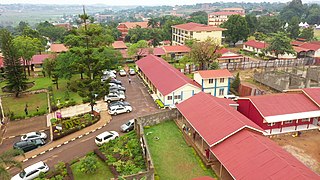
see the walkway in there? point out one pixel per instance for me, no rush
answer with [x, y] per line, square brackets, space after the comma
[75, 110]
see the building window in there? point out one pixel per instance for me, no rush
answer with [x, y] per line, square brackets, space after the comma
[305, 120]
[210, 81]
[221, 80]
[271, 124]
[169, 97]
[177, 97]
[191, 33]
[221, 92]
[287, 122]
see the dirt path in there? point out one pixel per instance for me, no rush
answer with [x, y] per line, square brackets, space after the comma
[306, 148]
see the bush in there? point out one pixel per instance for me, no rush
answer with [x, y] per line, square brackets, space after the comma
[50, 88]
[88, 165]
[159, 102]
[66, 96]
[85, 100]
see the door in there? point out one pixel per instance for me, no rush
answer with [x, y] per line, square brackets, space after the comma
[33, 174]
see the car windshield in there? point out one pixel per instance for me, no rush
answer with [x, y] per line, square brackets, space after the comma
[128, 123]
[98, 139]
[22, 174]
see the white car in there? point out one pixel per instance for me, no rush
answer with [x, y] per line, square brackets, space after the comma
[122, 72]
[32, 171]
[114, 97]
[231, 96]
[108, 74]
[106, 137]
[114, 110]
[128, 126]
[33, 135]
[132, 71]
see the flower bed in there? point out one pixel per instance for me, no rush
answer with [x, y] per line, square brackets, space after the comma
[124, 155]
[70, 125]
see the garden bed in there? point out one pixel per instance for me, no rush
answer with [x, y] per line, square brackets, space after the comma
[70, 125]
[171, 154]
[124, 155]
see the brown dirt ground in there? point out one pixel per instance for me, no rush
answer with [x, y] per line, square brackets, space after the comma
[305, 148]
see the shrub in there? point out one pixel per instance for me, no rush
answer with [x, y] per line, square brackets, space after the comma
[85, 100]
[66, 96]
[159, 102]
[53, 120]
[88, 165]
[61, 168]
[50, 88]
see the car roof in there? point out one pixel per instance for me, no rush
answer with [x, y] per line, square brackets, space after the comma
[104, 134]
[131, 120]
[31, 133]
[33, 166]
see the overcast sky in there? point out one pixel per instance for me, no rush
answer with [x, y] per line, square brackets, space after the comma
[129, 2]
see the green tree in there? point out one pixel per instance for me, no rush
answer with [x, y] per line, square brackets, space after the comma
[135, 49]
[214, 65]
[6, 160]
[49, 65]
[312, 14]
[293, 28]
[294, 8]
[236, 83]
[280, 44]
[27, 47]
[252, 23]
[259, 36]
[269, 24]
[49, 30]
[153, 22]
[88, 165]
[199, 17]
[203, 53]
[237, 29]
[307, 33]
[16, 81]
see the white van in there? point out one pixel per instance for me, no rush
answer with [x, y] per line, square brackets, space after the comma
[32, 171]
[106, 137]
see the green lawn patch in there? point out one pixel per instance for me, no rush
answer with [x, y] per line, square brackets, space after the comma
[172, 157]
[103, 172]
[17, 105]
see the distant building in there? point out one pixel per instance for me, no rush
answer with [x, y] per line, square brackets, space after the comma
[228, 56]
[126, 26]
[199, 32]
[119, 45]
[217, 18]
[176, 52]
[66, 26]
[238, 10]
[58, 48]
[104, 18]
[214, 82]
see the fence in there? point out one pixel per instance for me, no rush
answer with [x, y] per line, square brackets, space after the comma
[268, 64]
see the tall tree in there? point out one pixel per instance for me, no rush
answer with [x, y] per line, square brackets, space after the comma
[49, 65]
[293, 28]
[6, 160]
[199, 17]
[294, 8]
[252, 23]
[13, 69]
[269, 24]
[153, 22]
[280, 44]
[307, 33]
[27, 47]
[237, 29]
[204, 52]
[49, 30]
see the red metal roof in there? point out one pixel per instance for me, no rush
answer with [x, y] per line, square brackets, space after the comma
[209, 74]
[154, 51]
[256, 44]
[313, 94]
[299, 49]
[311, 46]
[297, 43]
[1, 61]
[58, 48]
[212, 118]
[131, 25]
[204, 178]
[284, 103]
[176, 49]
[39, 58]
[119, 45]
[226, 13]
[247, 155]
[162, 75]
[197, 27]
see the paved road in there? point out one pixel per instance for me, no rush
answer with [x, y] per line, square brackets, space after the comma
[137, 96]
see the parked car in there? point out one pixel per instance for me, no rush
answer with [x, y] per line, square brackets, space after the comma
[114, 97]
[132, 71]
[116, 91]
[116, 103]
[115, 81]
[32, 171]
[115, 110]
[128, 126]
[122, 72]
[34, 135]
[26, 146]
[108, 74]
[106, 137]
[116, 86]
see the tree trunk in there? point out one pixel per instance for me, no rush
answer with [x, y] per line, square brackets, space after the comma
[81, 75]
[57, 84]
[28, 68]
[17, 94]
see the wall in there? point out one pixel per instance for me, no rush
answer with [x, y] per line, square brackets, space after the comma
[153, 119]
[185, 92]
[203, 35]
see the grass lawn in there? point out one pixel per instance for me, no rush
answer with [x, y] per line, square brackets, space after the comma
[17, 105]
[102, 172]
[172, 157]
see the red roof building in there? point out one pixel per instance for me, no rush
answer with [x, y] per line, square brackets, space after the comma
[126, 26]
[217, 18]
[58, 48]
[228, 56]
[176, 52]
[167, 83]
[197, 27]
[232, 144]
[313, 94]
[255, 44]
[39, 58]
[120, 45]
[281, 113]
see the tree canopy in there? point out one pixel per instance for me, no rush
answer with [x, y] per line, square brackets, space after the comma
[237, 29]
[280, 44]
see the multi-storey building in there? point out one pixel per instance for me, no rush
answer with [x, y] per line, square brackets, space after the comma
[199, 32]
[124, 27]
[217, 18]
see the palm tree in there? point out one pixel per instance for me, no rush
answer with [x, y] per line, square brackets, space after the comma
[7, 160]
[153, 22]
